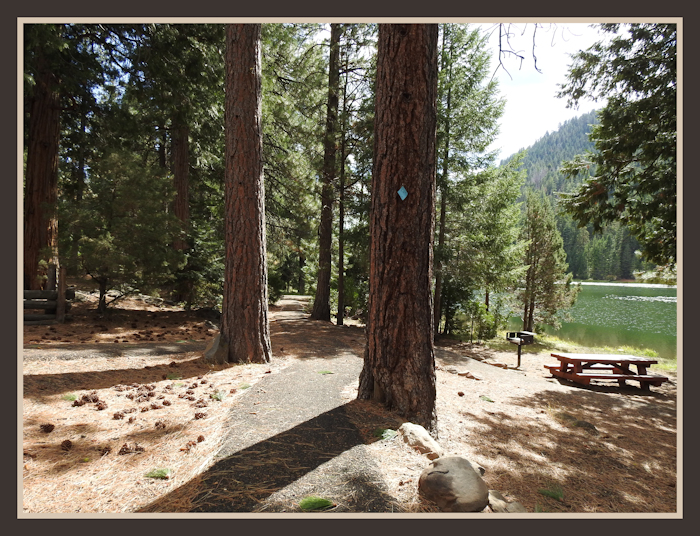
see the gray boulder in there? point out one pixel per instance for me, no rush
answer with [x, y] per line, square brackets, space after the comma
[418, 437]
[454, 484]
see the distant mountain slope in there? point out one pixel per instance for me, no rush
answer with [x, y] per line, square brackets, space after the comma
[545, 156]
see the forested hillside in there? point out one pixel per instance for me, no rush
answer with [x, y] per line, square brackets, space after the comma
[608, 255]
[543, 159]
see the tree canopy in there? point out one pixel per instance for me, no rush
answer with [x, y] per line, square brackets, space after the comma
[635, 159]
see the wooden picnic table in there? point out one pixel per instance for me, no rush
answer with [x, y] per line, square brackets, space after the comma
[582, 368]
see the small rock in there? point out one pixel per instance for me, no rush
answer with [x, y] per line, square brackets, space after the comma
[499, 505]
[419, 438]
[497, 502]
[515, 507]
[469, 375]
[454, 485]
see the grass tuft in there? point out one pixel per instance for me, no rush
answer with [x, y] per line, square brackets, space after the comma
[219, 395]
[553, 492]
[163, 474]
[385, 433]
[309, 504]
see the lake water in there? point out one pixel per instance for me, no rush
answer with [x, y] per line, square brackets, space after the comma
[623, 314]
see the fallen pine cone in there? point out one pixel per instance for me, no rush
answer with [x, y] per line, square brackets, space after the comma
[160, 425]
[66, 445]
[118, 415]
[46, 428]
[105, 450]
[200, 439]
[101, 406]
[166, 402]
[127, 449]
[200, 415]
[80, 402]
[188, 446]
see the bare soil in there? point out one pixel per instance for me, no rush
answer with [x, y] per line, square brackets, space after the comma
[128, 393]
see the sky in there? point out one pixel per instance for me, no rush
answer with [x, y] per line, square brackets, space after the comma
[532, 108]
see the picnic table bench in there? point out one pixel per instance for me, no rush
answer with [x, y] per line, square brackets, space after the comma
[582, 368]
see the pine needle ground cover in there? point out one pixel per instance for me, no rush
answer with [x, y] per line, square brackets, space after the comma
[83, 459]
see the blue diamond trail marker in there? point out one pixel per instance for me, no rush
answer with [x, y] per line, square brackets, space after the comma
[403, 193]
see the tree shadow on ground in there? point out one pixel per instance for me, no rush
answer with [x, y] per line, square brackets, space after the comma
[326, 339]
[629, 465]
[241, 481]
[38, 386]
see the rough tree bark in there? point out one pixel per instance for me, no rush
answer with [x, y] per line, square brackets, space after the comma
[41, 178]
[181, 204]
[322, 303]
[245, 328]
[399, 364]
[181, 168]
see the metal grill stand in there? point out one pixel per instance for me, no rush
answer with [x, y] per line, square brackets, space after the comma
[520, 338]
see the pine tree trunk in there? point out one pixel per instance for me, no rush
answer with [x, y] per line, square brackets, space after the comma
[399, 364]
[245, 328]
[437, 313]
[41, 179]
[340, 318]
[341, 240]
[181, 168]
[181, 204]
[322, 306]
